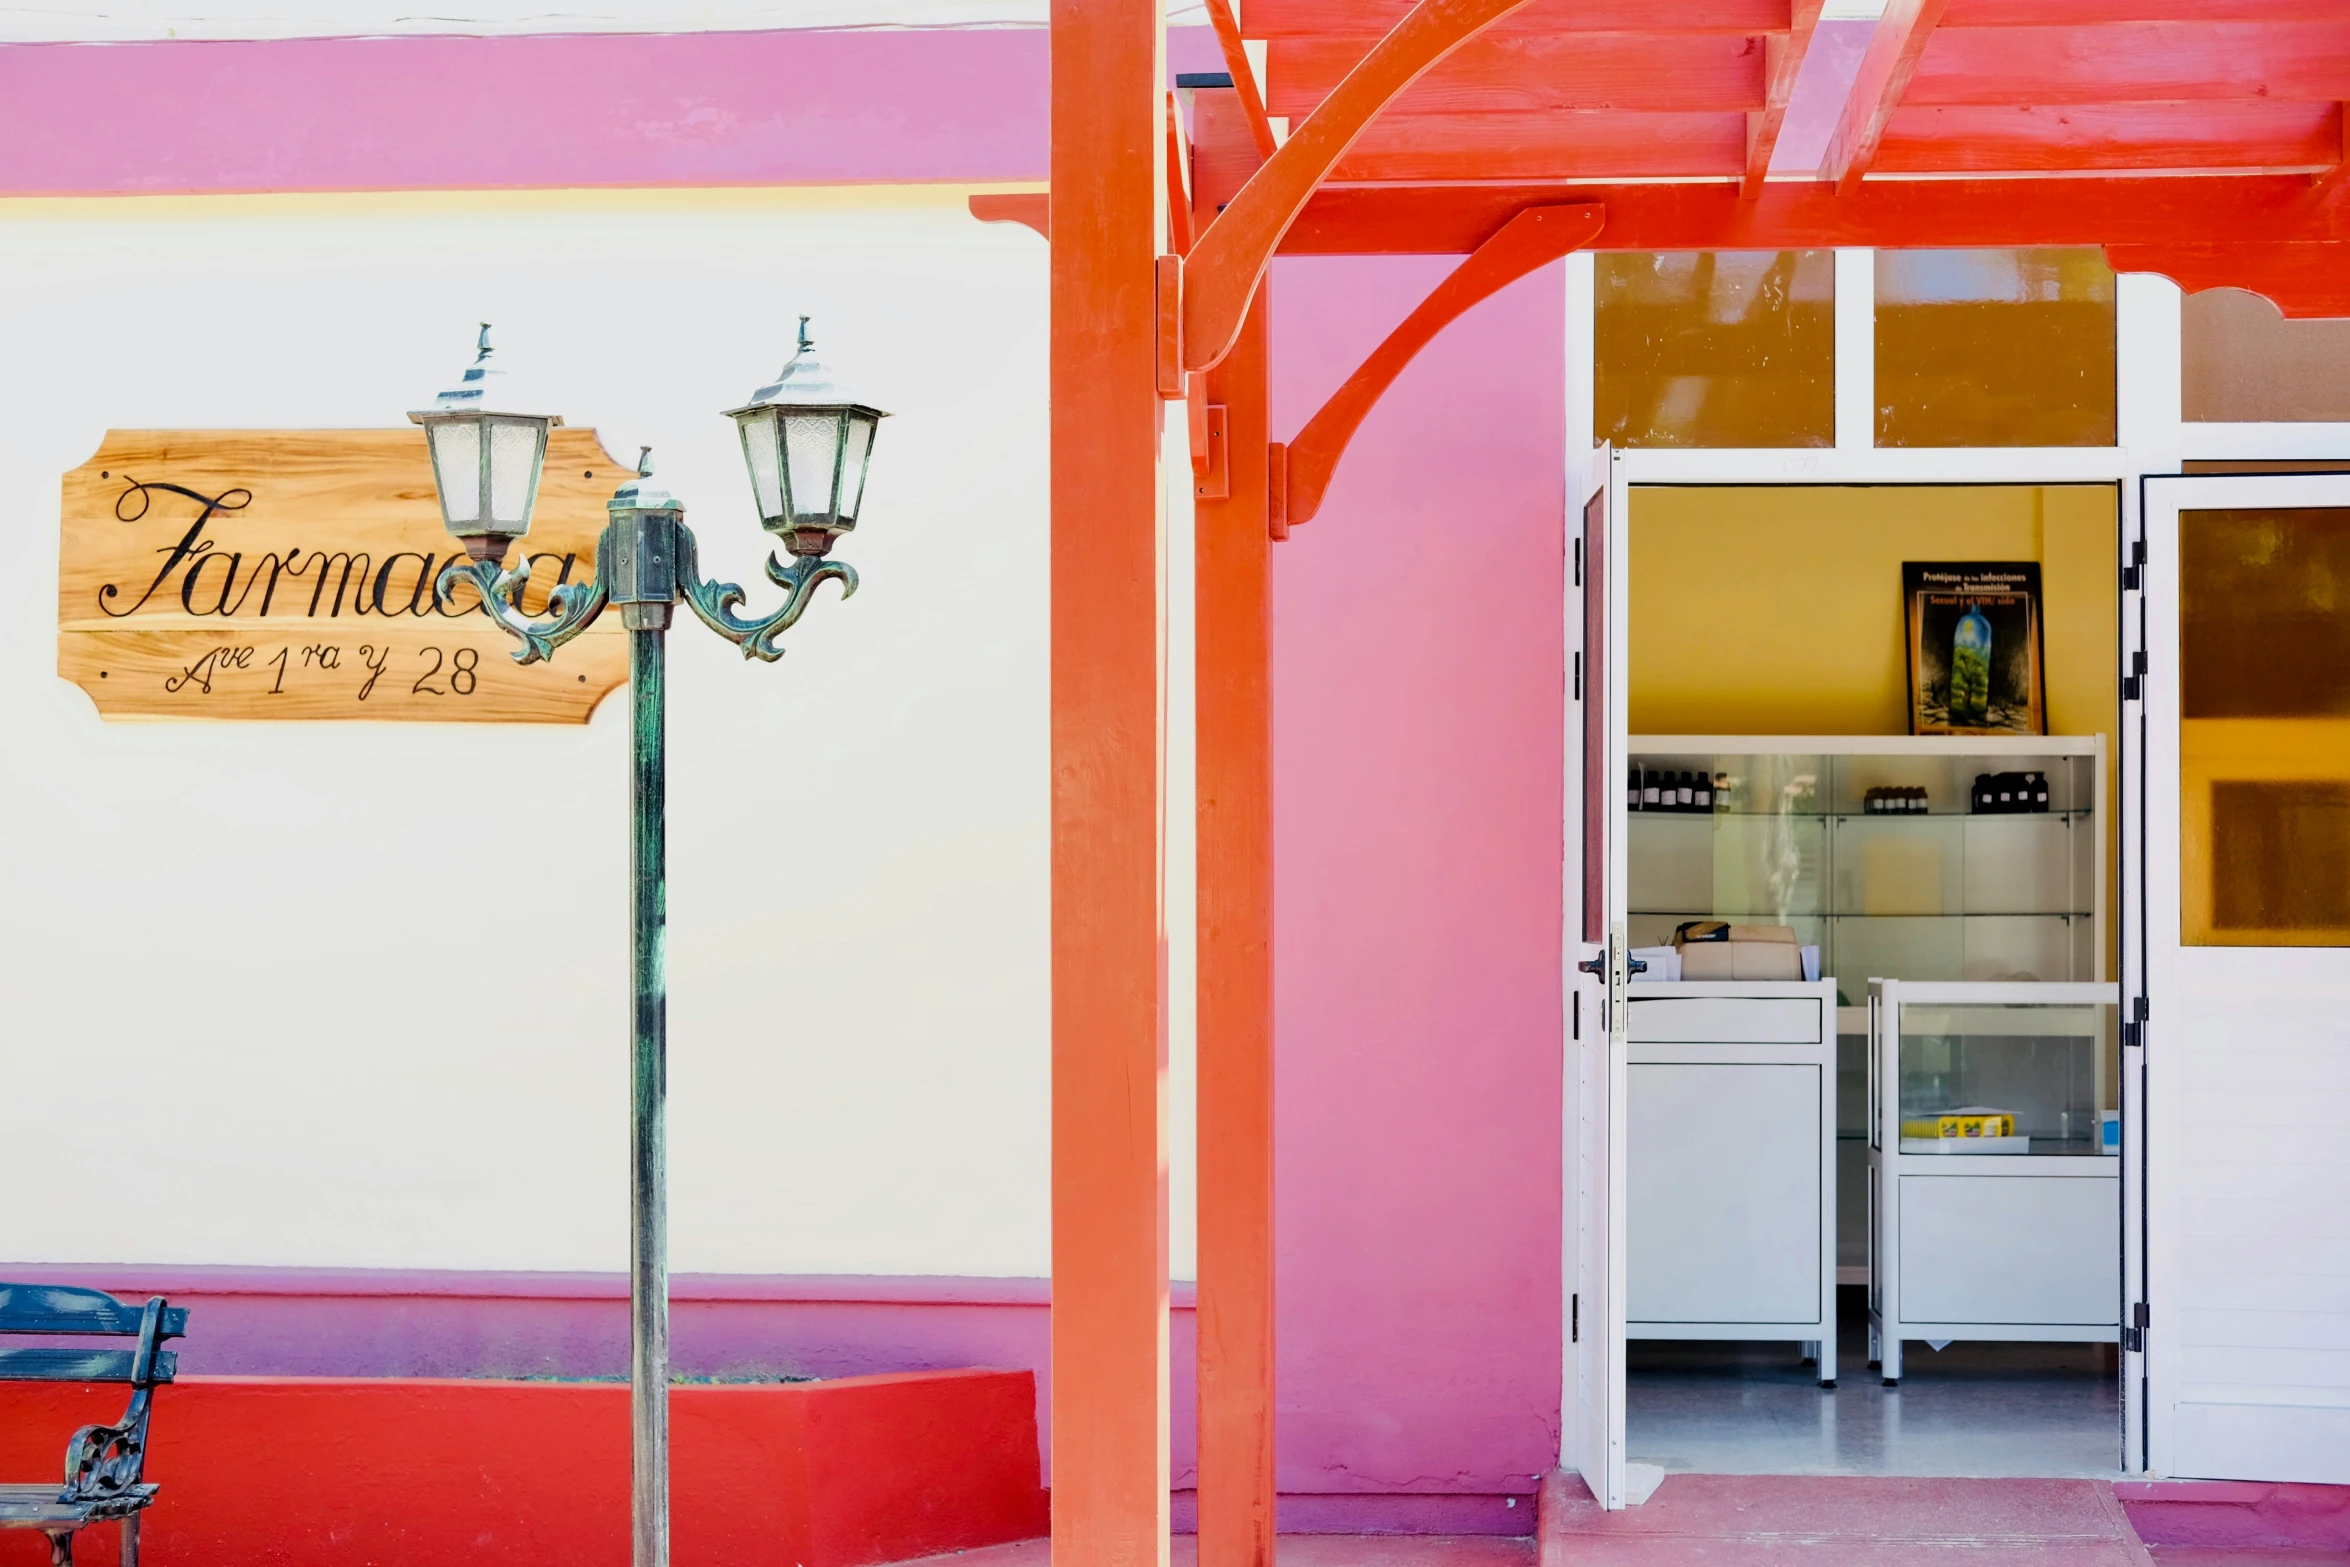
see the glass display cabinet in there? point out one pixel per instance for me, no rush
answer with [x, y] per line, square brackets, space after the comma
[1994, 1191]
[1978, 858]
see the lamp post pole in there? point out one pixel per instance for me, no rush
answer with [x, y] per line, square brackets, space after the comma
[648, 1089]
[806, 445]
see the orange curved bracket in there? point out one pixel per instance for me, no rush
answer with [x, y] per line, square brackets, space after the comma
[1221, 276]
[1534, 238]
[1033, 208]
[2301, 279]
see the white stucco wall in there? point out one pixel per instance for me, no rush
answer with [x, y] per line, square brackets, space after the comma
[353, 994]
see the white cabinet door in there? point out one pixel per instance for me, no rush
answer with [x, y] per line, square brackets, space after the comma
[2010, 1249]
[1724, 1169]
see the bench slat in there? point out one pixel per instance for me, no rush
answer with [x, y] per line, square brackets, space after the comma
[47, 1364]
[64, 1308]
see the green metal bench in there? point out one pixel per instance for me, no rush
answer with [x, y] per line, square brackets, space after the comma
[103, 1464]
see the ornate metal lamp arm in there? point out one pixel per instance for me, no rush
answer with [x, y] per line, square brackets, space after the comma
[714, 601]
[570, 608]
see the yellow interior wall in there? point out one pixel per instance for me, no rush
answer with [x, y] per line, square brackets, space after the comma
[1776, 609]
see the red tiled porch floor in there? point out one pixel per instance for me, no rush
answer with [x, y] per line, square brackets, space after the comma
[1833, 1520]
[1755, 1521]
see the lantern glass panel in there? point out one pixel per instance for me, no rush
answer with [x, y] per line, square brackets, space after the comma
[852, 464]
[514, 467]
[456, 464]
[811, 446]
[758, 432]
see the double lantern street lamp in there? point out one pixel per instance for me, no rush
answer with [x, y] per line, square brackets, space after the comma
[806, 444]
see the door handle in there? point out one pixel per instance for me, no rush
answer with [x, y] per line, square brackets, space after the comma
[1595, 967]
[1635, 965]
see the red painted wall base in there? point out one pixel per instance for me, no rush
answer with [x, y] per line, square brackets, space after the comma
[340, 1472]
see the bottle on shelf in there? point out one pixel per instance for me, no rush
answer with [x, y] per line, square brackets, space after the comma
[1650, 784]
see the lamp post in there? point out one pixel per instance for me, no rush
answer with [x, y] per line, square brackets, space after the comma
[806, 445]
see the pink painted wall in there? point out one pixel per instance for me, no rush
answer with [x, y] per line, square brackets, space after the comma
[1417, 699]
[611, 109]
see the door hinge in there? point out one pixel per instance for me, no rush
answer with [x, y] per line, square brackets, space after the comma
[2134, 683]
[1578, 563]
[2134, 1336]
[1574, 1319]
[1578, 677]
[2134, 573]
[1575, 999]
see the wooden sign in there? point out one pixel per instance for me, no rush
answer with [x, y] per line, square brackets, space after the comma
[289, 574]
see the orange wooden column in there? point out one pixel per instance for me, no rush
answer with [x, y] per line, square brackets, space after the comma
[1110, 1400]
[1235, 743]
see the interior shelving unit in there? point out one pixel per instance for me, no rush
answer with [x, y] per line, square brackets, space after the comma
[1946, 894]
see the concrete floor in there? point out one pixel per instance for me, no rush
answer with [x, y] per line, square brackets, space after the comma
[1972, 1410]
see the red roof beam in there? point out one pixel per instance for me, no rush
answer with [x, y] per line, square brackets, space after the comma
[1415, 147]
[1638, 74]
[2263, 137]
[1441, 219]
[1371, 19]
[1784, 54]
[1244, 76]
[2091, 13]
[1893, 53]
[2134, 62]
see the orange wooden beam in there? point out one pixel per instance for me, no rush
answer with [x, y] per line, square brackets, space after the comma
[2252, 135]
[1109, 1192]
[1369, 19]
[1178, 160]
[2058, 63]
[1029, 208]
[1561, 73]
[1783, 55]
[2333, 180]
[1456, 219]
[1244, 78]
[1230, 258]
[2302, 280]
[1534, 238]
[1235, 867]
[1877, 88]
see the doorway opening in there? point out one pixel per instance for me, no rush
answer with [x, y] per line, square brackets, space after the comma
[1875, 1220]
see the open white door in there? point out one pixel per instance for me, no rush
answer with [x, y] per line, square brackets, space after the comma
[1596, 1000]
[2244, 828]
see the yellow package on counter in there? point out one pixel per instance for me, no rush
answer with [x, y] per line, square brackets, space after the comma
[1974, 1121]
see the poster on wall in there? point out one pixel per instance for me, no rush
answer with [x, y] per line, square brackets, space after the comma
[1974, 643]
[288, 574]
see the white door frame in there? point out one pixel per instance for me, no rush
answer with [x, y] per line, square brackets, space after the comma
[2152, 439]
